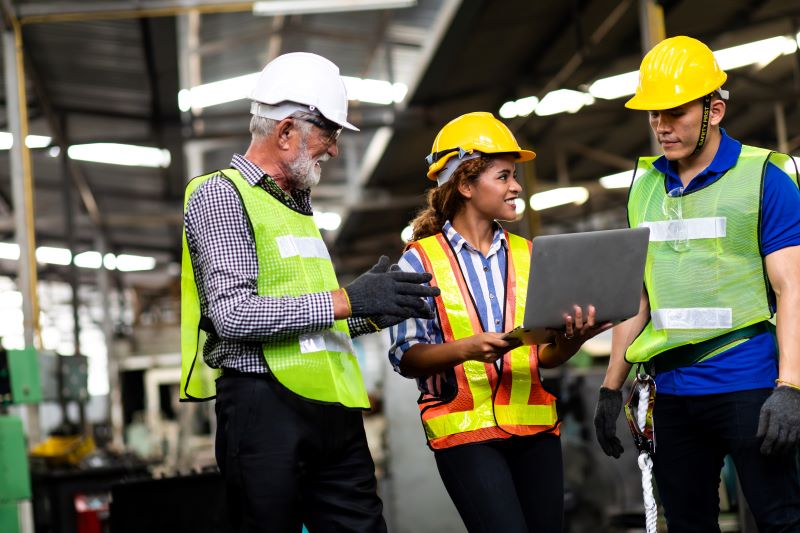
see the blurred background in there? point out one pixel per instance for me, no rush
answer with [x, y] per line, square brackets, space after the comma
[121, 102]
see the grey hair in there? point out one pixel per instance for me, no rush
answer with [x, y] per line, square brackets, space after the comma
[262, 127]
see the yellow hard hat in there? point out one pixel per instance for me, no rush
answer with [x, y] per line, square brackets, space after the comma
[676, 71]
[473, 132]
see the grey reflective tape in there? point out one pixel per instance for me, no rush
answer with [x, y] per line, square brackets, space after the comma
[330, 340]
[689, 228]
[692, 318]
[306, 247]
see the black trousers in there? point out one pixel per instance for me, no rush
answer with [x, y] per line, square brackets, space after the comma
[693, 435]
[509, 486]
[287, 461]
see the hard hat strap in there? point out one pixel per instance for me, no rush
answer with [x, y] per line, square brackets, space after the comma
[701, 141]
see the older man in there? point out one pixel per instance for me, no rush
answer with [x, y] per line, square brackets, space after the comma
[260, 301]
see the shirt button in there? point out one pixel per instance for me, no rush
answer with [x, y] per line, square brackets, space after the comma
[491, 296]
[486, 269]
[497, 322]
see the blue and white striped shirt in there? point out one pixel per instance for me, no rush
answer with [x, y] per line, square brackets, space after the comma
[485, 277]
[226, 267]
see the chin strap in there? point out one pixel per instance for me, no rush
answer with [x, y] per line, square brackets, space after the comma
[701, 141]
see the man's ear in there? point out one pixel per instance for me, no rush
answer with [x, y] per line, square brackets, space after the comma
[284, 131]
[717, 111]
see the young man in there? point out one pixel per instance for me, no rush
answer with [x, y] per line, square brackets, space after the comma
[260, 302]
[724, 256]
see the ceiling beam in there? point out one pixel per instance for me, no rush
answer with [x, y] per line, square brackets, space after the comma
[39, 13]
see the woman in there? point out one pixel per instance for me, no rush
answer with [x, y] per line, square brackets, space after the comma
[491, 425]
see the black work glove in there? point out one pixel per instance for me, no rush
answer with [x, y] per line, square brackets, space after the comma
[779, 422]
[385, 321]
[380, 291]
[609, 404]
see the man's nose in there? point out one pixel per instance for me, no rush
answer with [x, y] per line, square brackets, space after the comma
[333, 149]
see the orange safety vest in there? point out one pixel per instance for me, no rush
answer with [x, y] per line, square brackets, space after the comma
[487, 405]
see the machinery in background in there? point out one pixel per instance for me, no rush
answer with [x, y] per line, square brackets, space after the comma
[19, 385]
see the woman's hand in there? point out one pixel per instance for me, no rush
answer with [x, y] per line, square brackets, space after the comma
[577, 330]
[486, 347]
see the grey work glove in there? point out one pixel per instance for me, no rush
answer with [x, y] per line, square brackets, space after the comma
[380, 291]
[609, 404]
[779, 422]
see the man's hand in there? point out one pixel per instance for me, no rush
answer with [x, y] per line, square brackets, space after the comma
[779, 422]
[395, 294]
[609, 404]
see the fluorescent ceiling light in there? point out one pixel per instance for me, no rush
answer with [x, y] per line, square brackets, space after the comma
[759, 53]
[132, 263]
[563, 100]
[302, 7]
[217, 92]
[556, 197]
[38, 141]
[374, 91]
[519, 205]
[9, 250]
[31, 141]
[53, 256]
[88, 260]
[327, 221]
[120, 154]
[615, 86]
[238, 88]
[519, 108]
[407, 233]
[620, 179]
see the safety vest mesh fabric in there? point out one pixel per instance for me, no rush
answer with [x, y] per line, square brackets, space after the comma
[704, 273]
[486, 405]
[293, 260]
[198, 380]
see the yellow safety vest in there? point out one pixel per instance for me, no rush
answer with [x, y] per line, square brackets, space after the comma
[704, 274]
[487, 405]
[292, 260]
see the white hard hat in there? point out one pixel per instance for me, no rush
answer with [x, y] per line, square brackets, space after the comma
[301, 78]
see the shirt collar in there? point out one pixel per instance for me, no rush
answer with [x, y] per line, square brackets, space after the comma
[251, 172]
[458, 242]
[726, 157]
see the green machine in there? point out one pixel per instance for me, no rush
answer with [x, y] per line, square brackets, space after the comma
[19, 385]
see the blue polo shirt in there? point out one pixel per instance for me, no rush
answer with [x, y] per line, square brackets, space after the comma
[752, 364]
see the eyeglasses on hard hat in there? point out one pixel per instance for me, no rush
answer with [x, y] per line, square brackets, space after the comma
[330, 129]
[434, 157]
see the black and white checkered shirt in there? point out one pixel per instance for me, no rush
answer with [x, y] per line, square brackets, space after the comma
[225, 264]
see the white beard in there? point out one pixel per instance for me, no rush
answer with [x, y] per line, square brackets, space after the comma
[304, 171]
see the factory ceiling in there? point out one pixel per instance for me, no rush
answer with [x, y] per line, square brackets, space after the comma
[111, 72]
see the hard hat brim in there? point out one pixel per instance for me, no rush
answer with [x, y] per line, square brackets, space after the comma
[525, 155]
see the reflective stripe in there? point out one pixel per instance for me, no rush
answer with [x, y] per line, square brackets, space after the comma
[693, 318]
[306, 247]
[526, 415]
[332, 341]
[690, 228]
[460, 421]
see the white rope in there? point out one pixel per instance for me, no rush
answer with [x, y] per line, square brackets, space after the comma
[646, 464]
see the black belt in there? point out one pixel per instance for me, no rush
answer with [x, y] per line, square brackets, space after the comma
[690, 354]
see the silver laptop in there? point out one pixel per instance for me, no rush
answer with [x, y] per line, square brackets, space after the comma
[601, 268]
